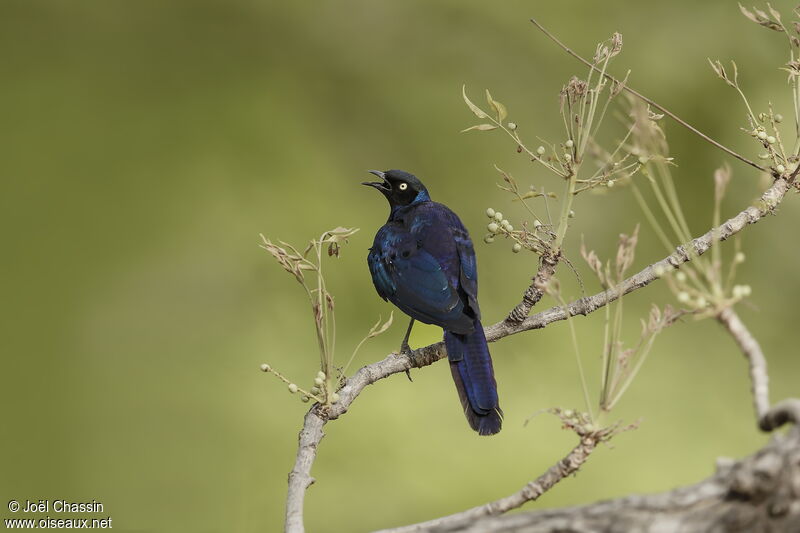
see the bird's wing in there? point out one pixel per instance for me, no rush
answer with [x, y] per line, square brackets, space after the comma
[412, 279]
[468, 277]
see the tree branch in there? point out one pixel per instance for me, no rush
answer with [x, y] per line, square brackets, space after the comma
[769, 418]
[311, 434]
[534, 293]
[531, 491]
[759, 378]
[758, 493]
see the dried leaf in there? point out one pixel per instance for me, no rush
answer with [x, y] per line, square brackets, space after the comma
[762, 19]
[480, 127]
[329, 301]
[626, 251]
[499, 109]
[722, 176]
[594, 263]
[475, 109]
[775, 14]
[377, 329]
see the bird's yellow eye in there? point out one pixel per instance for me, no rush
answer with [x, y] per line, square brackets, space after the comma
[403, 186]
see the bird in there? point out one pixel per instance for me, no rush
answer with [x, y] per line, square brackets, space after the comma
[422, 260]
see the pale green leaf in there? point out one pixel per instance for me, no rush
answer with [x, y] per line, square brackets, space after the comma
[475, 109]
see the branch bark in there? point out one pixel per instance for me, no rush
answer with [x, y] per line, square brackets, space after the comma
[760, 493]
[531, 491]
[769, 418]
[759, 378]
[534, 293]
[311, 434]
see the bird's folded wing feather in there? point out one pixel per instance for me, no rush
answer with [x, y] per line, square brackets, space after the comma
[412, 278]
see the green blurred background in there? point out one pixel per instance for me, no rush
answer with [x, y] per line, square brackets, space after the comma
[146, 144]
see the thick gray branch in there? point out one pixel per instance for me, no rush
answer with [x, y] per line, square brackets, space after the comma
[311, 434]
[300, 476]
[758, 494]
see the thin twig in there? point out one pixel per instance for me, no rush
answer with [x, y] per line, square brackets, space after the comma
[642, 97]
[530, 492]
[311, 434]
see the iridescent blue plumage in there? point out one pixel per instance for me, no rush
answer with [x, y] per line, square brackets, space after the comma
[422, 260]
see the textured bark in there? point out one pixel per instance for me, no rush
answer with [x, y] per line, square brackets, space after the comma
[534, 293]
[758, 494]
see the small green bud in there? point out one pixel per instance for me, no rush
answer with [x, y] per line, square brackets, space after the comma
[498, 216]
[701, 302]
[334, 397]
[318, 382]
[739, 257]
[540, 150]
[781, 169]
[321, 374]
[568, 413]
[493, 227]
[292, 388]
[489, 239]
[509, 228]
[571, 213]
[764, 155]
[569, 143]
[490, 213]
[771, 139]
[762, 135]
[504, 223]
[568, 157]
[610, 183]
[778, 117]
[683, 297]
[315, 390]
[680, 276]
[516, 248]
[642, 159]
[304, 398]
[265, 367]
[512, 126]
[536, 223]
[741, 291]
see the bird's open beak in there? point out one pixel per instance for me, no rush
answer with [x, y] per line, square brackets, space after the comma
[382, 186]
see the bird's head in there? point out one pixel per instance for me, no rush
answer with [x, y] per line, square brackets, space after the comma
[399, 187]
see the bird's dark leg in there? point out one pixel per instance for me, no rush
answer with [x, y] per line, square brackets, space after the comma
[405, 349]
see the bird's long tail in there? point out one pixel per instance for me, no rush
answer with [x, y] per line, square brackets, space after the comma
[473, 374]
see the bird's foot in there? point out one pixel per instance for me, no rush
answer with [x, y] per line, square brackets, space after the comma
[405, 349]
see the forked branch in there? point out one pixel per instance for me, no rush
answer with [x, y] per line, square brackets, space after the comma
[311, 434]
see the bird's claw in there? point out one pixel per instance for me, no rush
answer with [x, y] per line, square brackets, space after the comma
[405, 349]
